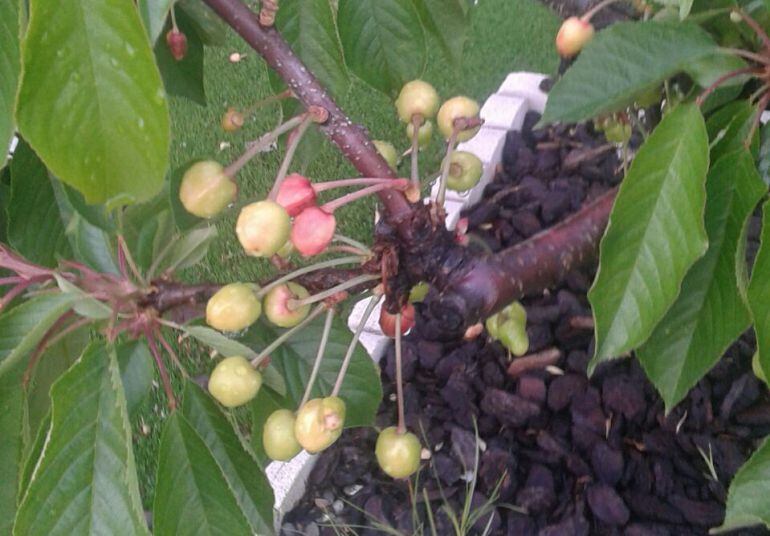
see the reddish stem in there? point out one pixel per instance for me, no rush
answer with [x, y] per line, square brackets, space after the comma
[161, 368]
[43, 344]
[10, 280]
[721, 80]
[331, 206]
[344, 183]
[754, 25]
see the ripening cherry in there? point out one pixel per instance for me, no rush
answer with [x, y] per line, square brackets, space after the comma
[234, 307]
[398, 454]
[278, 438]
[295, 194]
[233, 382]
[465, 171]
[177, 44]
[206, 190]
[424, 133]
[232, 120]
[457, 108]
[388, 321]
[388, 152]
[573, 36]
[263, 228]
[417, 97]
[313, 231]
[277, 306]
[319, 423]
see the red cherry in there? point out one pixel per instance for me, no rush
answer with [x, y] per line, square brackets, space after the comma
[295, 194]
[177, 44]
[388, 321]
[312, 231]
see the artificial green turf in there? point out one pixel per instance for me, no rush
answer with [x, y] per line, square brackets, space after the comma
[505, 36]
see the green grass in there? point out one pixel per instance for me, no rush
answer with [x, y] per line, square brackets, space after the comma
[506, 35]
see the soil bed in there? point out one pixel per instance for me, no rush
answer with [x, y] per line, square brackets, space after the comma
[563, 454]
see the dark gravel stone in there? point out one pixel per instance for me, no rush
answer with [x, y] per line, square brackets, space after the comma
[509, 408]
[538, 494]
[563, 389]
[607, 463]
[607, 505]
[621, 394]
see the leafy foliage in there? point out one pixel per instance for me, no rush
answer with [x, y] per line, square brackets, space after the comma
[10, 66]
[747, 501]
[655, 234]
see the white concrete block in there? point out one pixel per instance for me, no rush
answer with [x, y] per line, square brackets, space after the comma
[453, 209]
[504, 112]
[288, 480]
[525, 85]
[375, 344]
[487, 144]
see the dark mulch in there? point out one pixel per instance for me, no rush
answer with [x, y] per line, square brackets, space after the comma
[579, 456]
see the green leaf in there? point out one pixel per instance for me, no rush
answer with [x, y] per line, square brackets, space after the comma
[154, 14]
[383, 41]
[229, 347]
[86, 481]
[34, 452]
[361, 390]
[136, 372]
[763, 158]
[35, 228]
[11, 432]
[709, 313]
[654, 235]
[747, 502]
[243, 474]
[188, 249]
[83, 303]
[90, 244]
[759, 294]
[729, 127]
[621, 62]
[148, 230]
[211, 29]
[22, 327]
[448, 21]
[184, 77]
[192, 495]
[9, 71]
[91, 101]
[308, 26]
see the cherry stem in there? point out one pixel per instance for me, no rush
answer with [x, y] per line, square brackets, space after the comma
[721, 80]
[286, 335]
[161, 368]
[759, 58]
[446, 165]
[344, 183]
[173, 17]
[352, 242]
[126, 253]
[10, 280]
[319, 356]
[41, 346]
[331, 206]
[760, 108]
[263, 142]
[306, 270]
[172, 354]
[267, 100]
[343, 248]
[399, 380]
[19, 289]
[373, 301]
[594, 10]
[754, 25]
[295, 304]
[417, 121]
[291, 148]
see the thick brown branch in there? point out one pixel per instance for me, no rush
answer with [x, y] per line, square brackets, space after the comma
[351, 139]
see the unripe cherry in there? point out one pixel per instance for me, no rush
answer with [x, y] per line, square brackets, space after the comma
[398, 454]
[388, 321]
[233, 382]
[319, 423]
[418, 292]
[457, 108]
[295, 194]
[313, 231]
[278, 438]
[573, 36]
[263, 228]
[387, 151]
[277, 308]
[424, 133]
[465, 170]
[205, 189]
[234, 307]
[177, 44]
[417, 97]
[232, 120]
